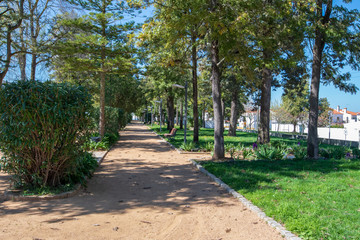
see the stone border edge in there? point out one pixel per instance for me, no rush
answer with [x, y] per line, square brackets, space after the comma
[7, 196]
[270, 221]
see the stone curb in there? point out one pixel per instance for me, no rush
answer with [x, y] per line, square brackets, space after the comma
[270, 221]
[8, 196]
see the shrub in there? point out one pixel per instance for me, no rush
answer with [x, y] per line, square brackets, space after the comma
[299, 152]
[188, 146]
[115, 119]
[85, 165]
[209, 146]
[265, 152]
[335, 153]
[356, 153]
[105, 143]
[42, 129]
[231, 149]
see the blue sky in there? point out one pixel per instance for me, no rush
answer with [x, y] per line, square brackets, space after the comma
[334, 95]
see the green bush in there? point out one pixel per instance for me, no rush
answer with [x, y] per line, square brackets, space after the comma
[188, 146]
[299, 152]
[356, 153]
[335, 153]
[265, 152]
[105, 143]
[42, 129]
[115, 119]
[84, 167]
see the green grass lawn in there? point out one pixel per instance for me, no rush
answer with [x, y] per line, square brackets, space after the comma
[316, 199]
[207, 135]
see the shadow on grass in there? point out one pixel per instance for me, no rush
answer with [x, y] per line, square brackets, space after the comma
[249, 176]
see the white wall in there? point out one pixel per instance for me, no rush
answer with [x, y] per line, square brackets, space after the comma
[352, 134]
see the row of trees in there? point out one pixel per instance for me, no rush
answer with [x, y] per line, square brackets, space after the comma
[84, 42]
[244, 49]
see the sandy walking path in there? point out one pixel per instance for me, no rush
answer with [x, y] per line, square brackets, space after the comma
[142, 190]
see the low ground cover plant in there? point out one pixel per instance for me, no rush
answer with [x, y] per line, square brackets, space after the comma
[102, 144]
[316, 199]
[244, 147]
[43, 126]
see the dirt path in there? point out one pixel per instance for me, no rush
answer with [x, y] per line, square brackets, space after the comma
[143, 190]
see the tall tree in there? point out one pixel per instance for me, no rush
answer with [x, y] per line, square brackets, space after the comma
[11, 17]
[101, 44]
[334, 34]
[296, 93]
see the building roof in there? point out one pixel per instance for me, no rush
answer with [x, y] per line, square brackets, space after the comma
[352, 113]
[336, 112]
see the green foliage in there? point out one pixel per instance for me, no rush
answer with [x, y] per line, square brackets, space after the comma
[265, 152]
[188, 146]
[115, 118]
[356, 153]
[335, 153]
[209, 146]
[105, 144]
[299, 152]
[247, 154]
[84, 167]
[315, 199]
[42, 129]
[230, 149]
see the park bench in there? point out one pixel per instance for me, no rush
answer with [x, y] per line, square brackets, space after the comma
[171, 134]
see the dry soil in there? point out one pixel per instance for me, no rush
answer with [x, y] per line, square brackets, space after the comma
[142, 190]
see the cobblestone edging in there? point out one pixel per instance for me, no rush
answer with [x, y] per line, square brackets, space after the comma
[8, 195]
[270, 221]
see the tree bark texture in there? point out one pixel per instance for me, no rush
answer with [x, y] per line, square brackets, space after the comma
[195, 87]
[203, 118]
[181, 115]
[177, 114]
[22, 56]
[170, 111]
[234, 112]
[102, 81]
[264, 127]
[219, 150]
[312, 143]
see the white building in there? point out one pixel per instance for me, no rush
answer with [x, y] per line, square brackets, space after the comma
[249, 120]
[347, 116]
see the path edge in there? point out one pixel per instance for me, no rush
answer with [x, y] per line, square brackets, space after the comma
[270, 221]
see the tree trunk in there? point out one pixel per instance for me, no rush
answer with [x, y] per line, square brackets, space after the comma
[181, 115]
[22, 56]
[203, 117]
[170, 112]
[219, 151]
[177, 114]
[234, 113]
[294, 124]
[312, 143]
[195, 87]
[264, 127]
[102, 105]
[33, 66]
[102, 81]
